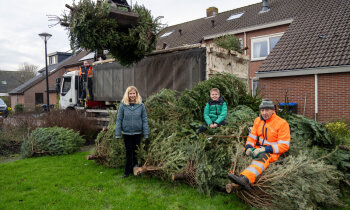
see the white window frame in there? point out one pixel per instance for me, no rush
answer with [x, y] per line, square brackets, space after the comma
[241, 42]
[259, 39]
[255, 90]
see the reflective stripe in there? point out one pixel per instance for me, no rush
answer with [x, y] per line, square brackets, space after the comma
[250, 143]
[275, 149]
[267, 142]
[260, 165]
[253, 137]
[283, 142]
[253, 170]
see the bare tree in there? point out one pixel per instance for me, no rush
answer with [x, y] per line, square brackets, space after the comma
[26, 71]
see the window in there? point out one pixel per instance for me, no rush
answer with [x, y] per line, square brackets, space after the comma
[241, 42]
[66, 85]
[52, 60]
[255, 85]
[39, 98]
[166, 34]
[262, 46]
[4, 82]
[235, 16]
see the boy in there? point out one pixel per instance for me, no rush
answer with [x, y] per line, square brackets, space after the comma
[214, 112]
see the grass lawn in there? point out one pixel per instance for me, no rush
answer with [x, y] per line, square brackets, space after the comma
[72, 182]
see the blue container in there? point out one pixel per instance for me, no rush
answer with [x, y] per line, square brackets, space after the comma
[292, 107]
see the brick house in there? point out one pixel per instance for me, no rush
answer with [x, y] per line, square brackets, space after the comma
[299, 49]
[33, 92]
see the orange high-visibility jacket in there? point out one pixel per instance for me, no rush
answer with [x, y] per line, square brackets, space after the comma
[273, 133]
[83, 71]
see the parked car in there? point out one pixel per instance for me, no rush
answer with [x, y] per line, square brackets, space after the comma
[3, 109]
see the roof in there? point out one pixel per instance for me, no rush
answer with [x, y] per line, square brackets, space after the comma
[70, 61]
[318, 38]
[8, 81]
[193, 32]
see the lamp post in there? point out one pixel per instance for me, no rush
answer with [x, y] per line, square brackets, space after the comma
[45, 37]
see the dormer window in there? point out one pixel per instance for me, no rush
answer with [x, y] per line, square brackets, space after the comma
[52, 60]
[235, 16]
[166, 34]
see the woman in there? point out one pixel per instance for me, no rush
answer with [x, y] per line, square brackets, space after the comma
[132, 120]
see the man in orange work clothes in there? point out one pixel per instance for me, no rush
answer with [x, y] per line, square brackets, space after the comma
[268, 139]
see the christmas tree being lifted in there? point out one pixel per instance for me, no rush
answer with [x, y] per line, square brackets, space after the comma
[127, 33]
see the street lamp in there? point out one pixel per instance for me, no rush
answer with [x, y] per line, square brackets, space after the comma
[45, 37]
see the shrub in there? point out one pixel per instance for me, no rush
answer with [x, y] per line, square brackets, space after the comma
[340, 132]
[51, 141]
[72, 120]
[229, 42]
[19, 108]
[13, 130]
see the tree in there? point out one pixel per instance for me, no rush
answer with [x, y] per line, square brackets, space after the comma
[91, 26]
[25, 72]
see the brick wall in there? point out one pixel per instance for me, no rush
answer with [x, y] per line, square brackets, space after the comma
[333, 94]
[295, 88]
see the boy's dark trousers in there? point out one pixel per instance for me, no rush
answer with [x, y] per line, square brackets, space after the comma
[131, 143]
[204, 127]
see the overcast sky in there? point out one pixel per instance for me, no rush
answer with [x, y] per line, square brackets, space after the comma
[22, 20]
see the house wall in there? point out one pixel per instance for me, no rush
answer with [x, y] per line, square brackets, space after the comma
[220, 60]
[254, 65]
[16, 99]
[333, 94]
[29, 95]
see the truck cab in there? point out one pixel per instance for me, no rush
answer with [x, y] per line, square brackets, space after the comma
[69, 90]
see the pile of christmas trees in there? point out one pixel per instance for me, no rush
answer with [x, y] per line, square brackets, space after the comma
[308, 176]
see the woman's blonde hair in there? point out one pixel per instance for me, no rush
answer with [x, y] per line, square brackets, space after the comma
[126, 95]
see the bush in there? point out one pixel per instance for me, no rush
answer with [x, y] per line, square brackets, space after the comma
[51, 141]
[72, 120]
[229, 42]
[340, 132]
[13, 130]
[19, 108]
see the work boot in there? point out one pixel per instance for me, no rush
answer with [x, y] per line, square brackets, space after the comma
[241, 180]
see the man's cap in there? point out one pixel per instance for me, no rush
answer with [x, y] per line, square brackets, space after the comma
[266, 104]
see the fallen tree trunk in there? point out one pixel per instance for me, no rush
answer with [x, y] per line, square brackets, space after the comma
[232, 186]
[180, 176]
[144, 169]
[94, 157]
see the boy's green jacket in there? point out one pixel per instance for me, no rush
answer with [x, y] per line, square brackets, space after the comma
[215, 111]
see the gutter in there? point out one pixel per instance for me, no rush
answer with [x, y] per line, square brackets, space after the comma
[250, 28]
[306, 71]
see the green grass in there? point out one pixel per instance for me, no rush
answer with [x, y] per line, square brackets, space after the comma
[72, 182]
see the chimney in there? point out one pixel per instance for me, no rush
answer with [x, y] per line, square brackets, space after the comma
[180, 32]
[265, 7]
[212, 11]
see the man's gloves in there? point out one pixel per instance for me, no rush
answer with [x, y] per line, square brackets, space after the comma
[249, 151]
[258, 151]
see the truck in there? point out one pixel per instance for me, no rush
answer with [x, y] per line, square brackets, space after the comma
[177, 69]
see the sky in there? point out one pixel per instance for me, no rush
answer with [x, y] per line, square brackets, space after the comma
[22, 20]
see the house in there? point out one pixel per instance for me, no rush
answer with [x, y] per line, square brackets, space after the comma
[33, 92]
[8, 81]
[298, 50]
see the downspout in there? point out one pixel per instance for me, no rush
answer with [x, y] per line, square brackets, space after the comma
[316, 97]
[245, 43]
